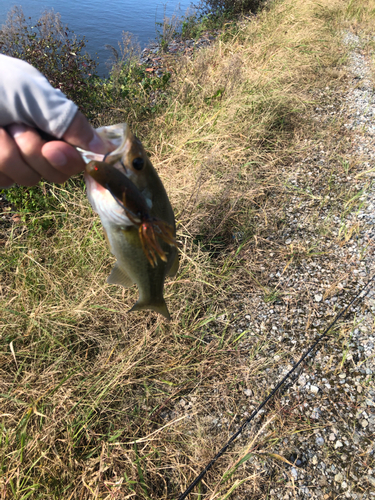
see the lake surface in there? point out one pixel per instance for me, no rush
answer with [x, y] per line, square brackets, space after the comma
[103, 21]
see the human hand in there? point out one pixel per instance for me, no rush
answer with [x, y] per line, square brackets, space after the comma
[29, 103]
[25, 157]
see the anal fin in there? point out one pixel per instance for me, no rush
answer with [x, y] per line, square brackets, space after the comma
[119, 277]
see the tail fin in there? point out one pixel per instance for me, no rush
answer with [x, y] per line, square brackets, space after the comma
[159, 307]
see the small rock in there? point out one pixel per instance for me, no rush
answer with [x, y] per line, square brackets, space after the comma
[332, 436]
[294, 472]
[319, 441]
[318, 297]
[314, 460]
[338, 444]
[248, 392]
[315, 414]
[339, 478]
[314, 389]
[323, 481]
[364, 423]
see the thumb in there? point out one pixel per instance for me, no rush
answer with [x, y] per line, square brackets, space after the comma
[63, 157]
[80, 133]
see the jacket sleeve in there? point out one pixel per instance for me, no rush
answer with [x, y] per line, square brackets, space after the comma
[27, 97]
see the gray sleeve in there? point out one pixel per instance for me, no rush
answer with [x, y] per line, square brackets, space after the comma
[27, 97]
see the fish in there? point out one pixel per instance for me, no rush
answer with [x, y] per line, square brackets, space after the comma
[137, 217]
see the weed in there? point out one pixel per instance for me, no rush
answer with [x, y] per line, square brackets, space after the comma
[193, 25]
[130, 93]
[272, 296]
[35, 199]
[231, 7]
[168, 29]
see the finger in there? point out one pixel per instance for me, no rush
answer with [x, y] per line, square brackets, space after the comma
[80, 133]
[12, 164]
[30, 146]
[63, 157]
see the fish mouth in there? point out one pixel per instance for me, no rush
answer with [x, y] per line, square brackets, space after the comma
[132, 216]
[118, 135]
[105, 204]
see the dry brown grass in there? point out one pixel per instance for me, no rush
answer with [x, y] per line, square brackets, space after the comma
[98, 403]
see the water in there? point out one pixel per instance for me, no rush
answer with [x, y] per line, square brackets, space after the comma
[103, 21]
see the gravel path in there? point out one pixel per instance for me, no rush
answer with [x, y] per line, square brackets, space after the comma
[337, 391]
[329, 412]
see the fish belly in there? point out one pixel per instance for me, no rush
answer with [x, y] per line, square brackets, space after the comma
[133, 267]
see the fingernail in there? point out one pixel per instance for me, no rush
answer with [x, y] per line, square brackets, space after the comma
[56, 158]
[16, 129]
[96, 144]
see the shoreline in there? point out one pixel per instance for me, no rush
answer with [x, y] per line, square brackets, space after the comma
[156, 59]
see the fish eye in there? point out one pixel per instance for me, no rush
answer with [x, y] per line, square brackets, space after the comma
[138, 163]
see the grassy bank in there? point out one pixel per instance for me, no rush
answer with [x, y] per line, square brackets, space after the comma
[99, 403]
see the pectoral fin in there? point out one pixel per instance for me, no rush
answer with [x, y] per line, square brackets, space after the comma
[159, 307]
[119, 277]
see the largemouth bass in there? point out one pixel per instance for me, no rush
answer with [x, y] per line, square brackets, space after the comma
[138, 220]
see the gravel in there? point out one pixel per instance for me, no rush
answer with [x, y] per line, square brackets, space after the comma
[340, 458]
[332, 400]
